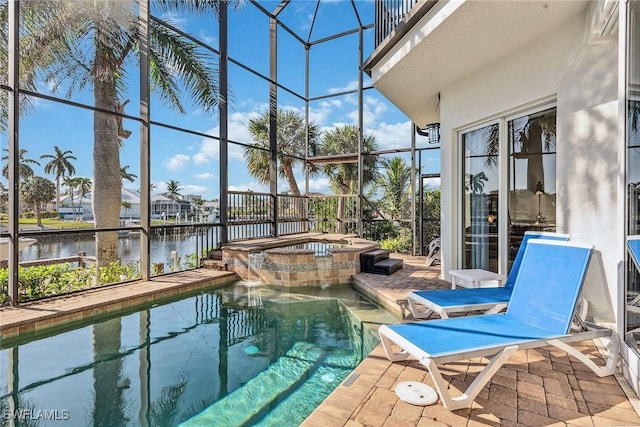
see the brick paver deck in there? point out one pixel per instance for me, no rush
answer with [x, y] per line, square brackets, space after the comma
[537, 387]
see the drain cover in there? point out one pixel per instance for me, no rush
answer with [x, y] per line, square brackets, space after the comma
[416, 393]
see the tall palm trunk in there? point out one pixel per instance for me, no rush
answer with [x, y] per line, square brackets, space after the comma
[345, 191]
[107, 193]
[535, 167]
[38, 214]
[57, 193]
[291, 179]
[108, 388]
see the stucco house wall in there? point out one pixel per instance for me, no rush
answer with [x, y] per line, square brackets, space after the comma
[579, 72]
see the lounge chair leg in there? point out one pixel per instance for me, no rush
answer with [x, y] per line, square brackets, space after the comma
[496, 309]
[391, 355]
[602, 371]
[415, 310]
[466, 399]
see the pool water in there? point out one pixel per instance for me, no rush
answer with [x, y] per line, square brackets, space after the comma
[230, 357]
[319, 248]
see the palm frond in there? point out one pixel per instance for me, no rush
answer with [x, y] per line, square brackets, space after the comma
[181, 60]
[344, 139]
[163, 83]
[197, 6]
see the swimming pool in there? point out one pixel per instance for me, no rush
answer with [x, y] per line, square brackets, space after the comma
[233, 356]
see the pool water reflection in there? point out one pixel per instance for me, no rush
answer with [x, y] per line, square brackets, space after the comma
[234, 356]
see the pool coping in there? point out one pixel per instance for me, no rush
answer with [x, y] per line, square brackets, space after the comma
[40, 315]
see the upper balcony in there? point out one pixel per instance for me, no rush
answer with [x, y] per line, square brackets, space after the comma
[425, 46]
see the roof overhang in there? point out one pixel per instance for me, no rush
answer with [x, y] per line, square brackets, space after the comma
[453, 39]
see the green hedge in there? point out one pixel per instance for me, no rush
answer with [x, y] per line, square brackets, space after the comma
[50, 280]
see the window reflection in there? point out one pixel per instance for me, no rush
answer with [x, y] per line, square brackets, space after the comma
[481, 181]
[532, 175]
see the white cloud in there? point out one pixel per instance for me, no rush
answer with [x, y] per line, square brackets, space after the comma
[177, 162]
[195, 189]
[331, 112]
[374, 109]
[209, 149]
[320, 113]
[320, 185]
[250, 186]
[175, 19]
[159, 187]
[207, 176]
[208, 39]
[392, 135]
[236, 153]
[352, 85]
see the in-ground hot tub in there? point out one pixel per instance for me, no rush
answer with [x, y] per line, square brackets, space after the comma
[313, 259]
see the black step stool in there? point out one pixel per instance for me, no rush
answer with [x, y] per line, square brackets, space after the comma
[370, 258]
[387, 266]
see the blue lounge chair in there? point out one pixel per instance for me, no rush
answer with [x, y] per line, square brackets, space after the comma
[490, 300]
[539, 314]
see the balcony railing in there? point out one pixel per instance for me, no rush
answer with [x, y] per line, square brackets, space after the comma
[389, 15]
[250, 214]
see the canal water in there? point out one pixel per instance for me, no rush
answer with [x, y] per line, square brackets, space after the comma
[163, 244]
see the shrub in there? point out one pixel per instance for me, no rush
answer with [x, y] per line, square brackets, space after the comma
[50, 280]
[402, 243]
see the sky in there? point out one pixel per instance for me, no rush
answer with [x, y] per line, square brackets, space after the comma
[193, 160]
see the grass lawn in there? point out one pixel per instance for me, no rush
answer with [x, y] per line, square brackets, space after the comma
[55, 223]
[49, 223]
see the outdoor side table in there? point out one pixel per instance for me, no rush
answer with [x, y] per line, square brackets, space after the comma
[474, 278]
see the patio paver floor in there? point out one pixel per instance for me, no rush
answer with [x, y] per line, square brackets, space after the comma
[537, 387]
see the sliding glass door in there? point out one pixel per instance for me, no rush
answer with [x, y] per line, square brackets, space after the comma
[480, 198]
[492, 228]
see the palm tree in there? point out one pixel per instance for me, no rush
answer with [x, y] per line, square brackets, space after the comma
[344, 139]
[24, 170]
[93, 44]
[395, 183]
[531, 135]
[83, 184]
[125, 174]
[173, 190]
[291, 145]
[71, 183]
[127, 206]
[536, 136]
[475, 182]
[60, 166]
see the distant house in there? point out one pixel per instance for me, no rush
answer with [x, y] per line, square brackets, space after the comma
[212, 209]
[164, 207]
[82, 208]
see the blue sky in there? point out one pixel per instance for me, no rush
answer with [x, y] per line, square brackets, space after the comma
[193, 160]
